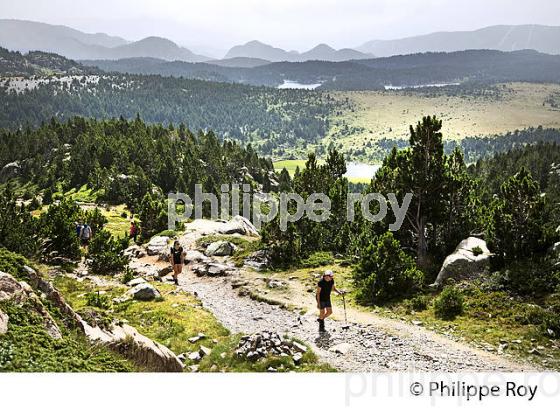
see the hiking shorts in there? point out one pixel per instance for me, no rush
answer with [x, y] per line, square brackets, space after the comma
[323, 304]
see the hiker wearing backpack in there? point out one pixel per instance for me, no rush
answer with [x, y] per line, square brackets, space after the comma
[133, 231]
[323, 296]
[85, 235]
[177, 260]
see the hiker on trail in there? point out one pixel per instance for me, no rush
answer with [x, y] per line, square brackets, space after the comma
[85, 235]
[177, 259]
[133, 231]
[78, 226]
[323, 296]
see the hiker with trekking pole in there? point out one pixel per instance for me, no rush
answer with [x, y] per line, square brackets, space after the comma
[323, 296]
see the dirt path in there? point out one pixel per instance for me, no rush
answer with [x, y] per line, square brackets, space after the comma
[371, 343]
[372, 346]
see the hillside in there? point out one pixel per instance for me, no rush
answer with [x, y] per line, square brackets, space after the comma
[544, 39]
[13, 63]
[482, 66]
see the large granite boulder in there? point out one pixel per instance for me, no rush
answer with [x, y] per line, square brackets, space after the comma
[470, 259]
[239, 224]
[158, 246]
[220, 248]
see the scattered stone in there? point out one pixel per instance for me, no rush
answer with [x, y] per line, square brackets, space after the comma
[534, 352]
[195, 356]
[342, 348]
[275, 283]
[272, 370]
[204, 351]
[417, 323]
[299, 347]
[223, 355]
[136, 281]
[212, 269]
[144, 292]
[165, 271]
[193, 368]
[297, 358]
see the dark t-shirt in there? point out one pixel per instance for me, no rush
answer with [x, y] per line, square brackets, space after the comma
[177, 255]
[326, 288]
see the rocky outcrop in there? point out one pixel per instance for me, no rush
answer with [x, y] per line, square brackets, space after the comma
[122, 338]
[470, 259]
[220, 248]
[135, 251]
[21, 293]
[3, 323]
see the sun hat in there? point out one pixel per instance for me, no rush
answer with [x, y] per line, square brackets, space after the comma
[328, 273]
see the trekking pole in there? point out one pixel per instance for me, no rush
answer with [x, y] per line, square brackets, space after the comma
[345, 318]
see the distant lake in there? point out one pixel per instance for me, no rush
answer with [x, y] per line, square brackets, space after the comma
[403, 87]
[298, 86]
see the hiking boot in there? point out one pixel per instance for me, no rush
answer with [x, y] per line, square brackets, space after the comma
[176, 281]
[321, 325]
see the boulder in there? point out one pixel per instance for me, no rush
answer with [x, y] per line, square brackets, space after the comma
[196, 256]
[157, 246]
[464, 263]
[135, 251]
[241, 225]
[259, 260]
[3, 323]
[144, 291]
[165, 271]
[220, 248]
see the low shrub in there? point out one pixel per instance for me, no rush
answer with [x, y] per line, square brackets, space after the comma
[318, 259]
[449, 304]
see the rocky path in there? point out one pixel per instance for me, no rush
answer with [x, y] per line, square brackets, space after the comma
[370, 343]
[360, 348]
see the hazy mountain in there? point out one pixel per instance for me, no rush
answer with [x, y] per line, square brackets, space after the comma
[155, 47]
[322, 52]
[23, 36]
[256, 49]
[545, 39]
[242, 62]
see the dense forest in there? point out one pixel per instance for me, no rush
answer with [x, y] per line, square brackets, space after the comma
[268, 118]
[123, 160]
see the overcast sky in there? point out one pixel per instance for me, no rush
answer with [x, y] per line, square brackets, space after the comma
[213, 26]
